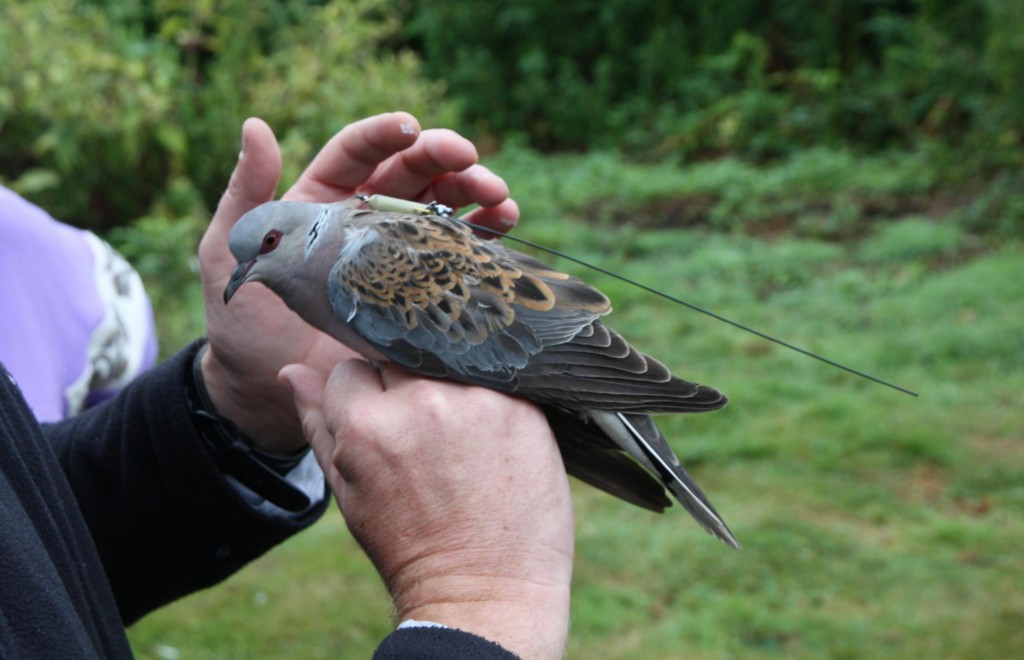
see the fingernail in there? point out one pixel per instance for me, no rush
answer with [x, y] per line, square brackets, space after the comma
[506, 224]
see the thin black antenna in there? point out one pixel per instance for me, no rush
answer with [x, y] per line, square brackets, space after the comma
[385, 203]
[682, 302]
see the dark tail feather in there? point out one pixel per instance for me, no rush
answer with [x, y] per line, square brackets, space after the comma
[682, 485]
[590, 456]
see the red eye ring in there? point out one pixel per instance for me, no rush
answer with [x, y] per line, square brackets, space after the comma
[270, 241]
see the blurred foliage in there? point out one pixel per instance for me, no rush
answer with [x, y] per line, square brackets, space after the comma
[110, 109]
[736, 76]
[162, 248]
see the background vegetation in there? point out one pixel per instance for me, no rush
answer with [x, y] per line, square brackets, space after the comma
[846, 175]
[737, 76]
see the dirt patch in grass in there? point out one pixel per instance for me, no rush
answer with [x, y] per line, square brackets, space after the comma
[926, 484]
[1006, 451]
[688, 211]
[773, 217]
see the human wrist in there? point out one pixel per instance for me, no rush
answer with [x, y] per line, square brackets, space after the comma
[261, 472]
[259, 407]
[528, 619]
[519, 600]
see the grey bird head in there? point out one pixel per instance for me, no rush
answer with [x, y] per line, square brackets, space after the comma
[267, 241]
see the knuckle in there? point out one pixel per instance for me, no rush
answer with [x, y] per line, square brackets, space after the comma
[430, 397]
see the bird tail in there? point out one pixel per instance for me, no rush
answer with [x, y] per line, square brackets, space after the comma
[638, 435]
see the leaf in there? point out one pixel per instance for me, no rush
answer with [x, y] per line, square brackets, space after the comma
[35, 180]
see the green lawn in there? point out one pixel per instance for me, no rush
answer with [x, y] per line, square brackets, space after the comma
[874, 524]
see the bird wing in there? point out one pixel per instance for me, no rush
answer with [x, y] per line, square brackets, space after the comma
[433, 297]
[599, 370]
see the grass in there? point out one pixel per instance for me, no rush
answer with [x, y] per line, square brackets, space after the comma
[874, 524]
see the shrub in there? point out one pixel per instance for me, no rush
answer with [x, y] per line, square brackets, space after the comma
[742, 76]
[103, 105]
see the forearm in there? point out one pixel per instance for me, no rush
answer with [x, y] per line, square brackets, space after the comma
[163, 516]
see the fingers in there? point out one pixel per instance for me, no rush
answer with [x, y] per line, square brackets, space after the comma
[307, 387]
[475, 184]
[342, 416]
[352, 156]
[436, 152]
[389, 154]
[386, 153]
[502, 217]
[435, 169]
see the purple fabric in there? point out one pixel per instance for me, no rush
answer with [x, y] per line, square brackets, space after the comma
[49, 304]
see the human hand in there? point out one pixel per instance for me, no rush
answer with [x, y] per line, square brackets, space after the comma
[257, 335]
[457, 494]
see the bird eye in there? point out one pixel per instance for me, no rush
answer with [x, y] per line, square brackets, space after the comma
[270, 241]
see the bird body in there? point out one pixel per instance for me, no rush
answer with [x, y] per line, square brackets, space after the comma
[424, 292]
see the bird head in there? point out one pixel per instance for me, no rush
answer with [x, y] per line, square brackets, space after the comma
[265, 240]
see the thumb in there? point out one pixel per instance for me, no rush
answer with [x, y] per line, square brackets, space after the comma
[307, 388]
[253, 182]
[256, 174]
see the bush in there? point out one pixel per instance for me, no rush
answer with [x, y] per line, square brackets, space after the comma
[107, 106]
[737, 76]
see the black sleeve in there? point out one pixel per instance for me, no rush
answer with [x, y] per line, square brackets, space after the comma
[422, 643]
[164, 518]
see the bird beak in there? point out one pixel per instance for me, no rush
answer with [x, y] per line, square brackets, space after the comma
[238, 278]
